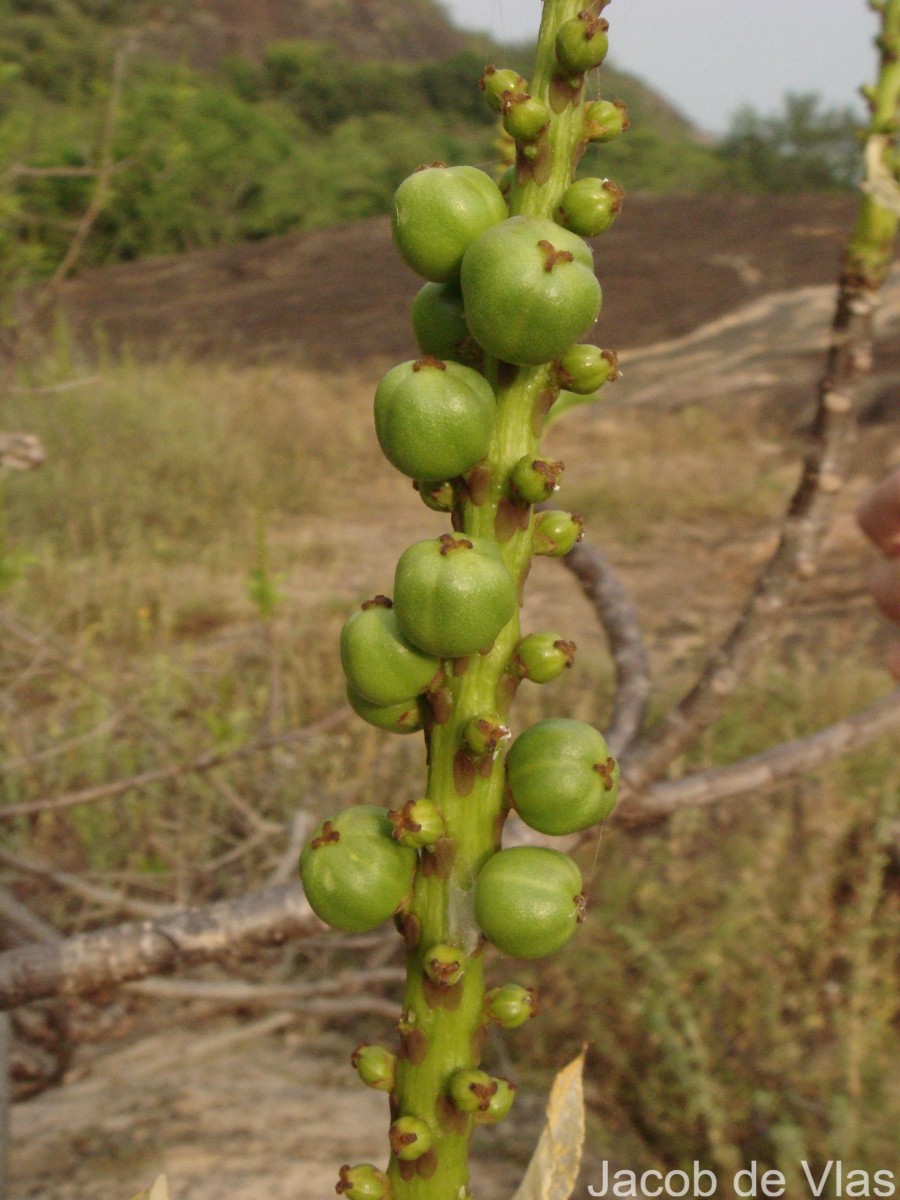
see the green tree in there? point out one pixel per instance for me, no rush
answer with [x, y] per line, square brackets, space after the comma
[804, 148]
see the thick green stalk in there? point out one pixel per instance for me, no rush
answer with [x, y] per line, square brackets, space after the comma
[441, 1027]
[871, 246]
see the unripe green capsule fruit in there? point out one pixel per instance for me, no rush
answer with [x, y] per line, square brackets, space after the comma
[584, 369]
[524, 117]
[556, 532]
[409, 716]
[561, 776]
[363, 1182]
[375, 1065]
[439, 324]
[529, 290]
[471, 1091]
[495, 82]
[438, 211]
[380, 664]
[500, 1103]
[444, 965]
[453, 595]
[510, 1006]
[589, 206]
[533, 480]
[605, 120]
[418, 823]
[410, 1138]
[483, 735]
[354, 873]
[434, 419]
[528, 900]
[581, 43]
[542, 657]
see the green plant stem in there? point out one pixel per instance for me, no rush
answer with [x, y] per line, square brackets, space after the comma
[441, 1029]
[870, 250]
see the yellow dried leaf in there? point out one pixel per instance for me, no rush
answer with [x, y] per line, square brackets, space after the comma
[159, 1191]
[555, 1164]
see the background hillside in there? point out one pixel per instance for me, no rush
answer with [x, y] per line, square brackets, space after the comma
[221, 122]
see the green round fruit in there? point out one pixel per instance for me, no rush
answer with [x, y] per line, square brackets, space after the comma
[589, 206]
[556, 532]
[453, 595]
[500, 1102]
[525, 118]
[471, 1090]
[496, 82]
[510, 1005]
[375, 1065]
[362, 1182]
[355, 875]
[605, 120]
[439, 324]
[380, 664]
[533, 480]
[434, 419]
[584, 369]
[438, 211]
[418, 823]
[410, 1138]
[529, 290]
[542, 657]
[528, 900]
[406, 717]
[582, 43]
[561, 776]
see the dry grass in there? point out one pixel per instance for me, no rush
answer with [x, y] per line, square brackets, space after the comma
[198, 536]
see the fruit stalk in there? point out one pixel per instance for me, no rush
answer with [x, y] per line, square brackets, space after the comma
[470, 440]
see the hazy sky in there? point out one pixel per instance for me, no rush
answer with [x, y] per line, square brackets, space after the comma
[711, 56]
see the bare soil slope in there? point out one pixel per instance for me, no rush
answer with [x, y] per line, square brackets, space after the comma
[338, 297]
[240, 1116]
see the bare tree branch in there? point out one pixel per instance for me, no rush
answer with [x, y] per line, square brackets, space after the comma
[762, 770]
[618, 617]
[117, 901]
[794, 561]
[91, 961]
[237, 991]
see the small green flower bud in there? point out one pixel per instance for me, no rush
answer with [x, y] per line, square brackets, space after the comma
[500, 1103]
[410, 1138]
[605, 120]
[495, 82]
[439, 497]
[556, 532]
[472, 1091]
[375, 1065]
[510, 1006]
[418, 823]
[589, 206]
[524, 117]
[363, 1182]
[444, 965]
[584, 369]
[533, 480]
[581, 43]
[542, 657]
[483, 734]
